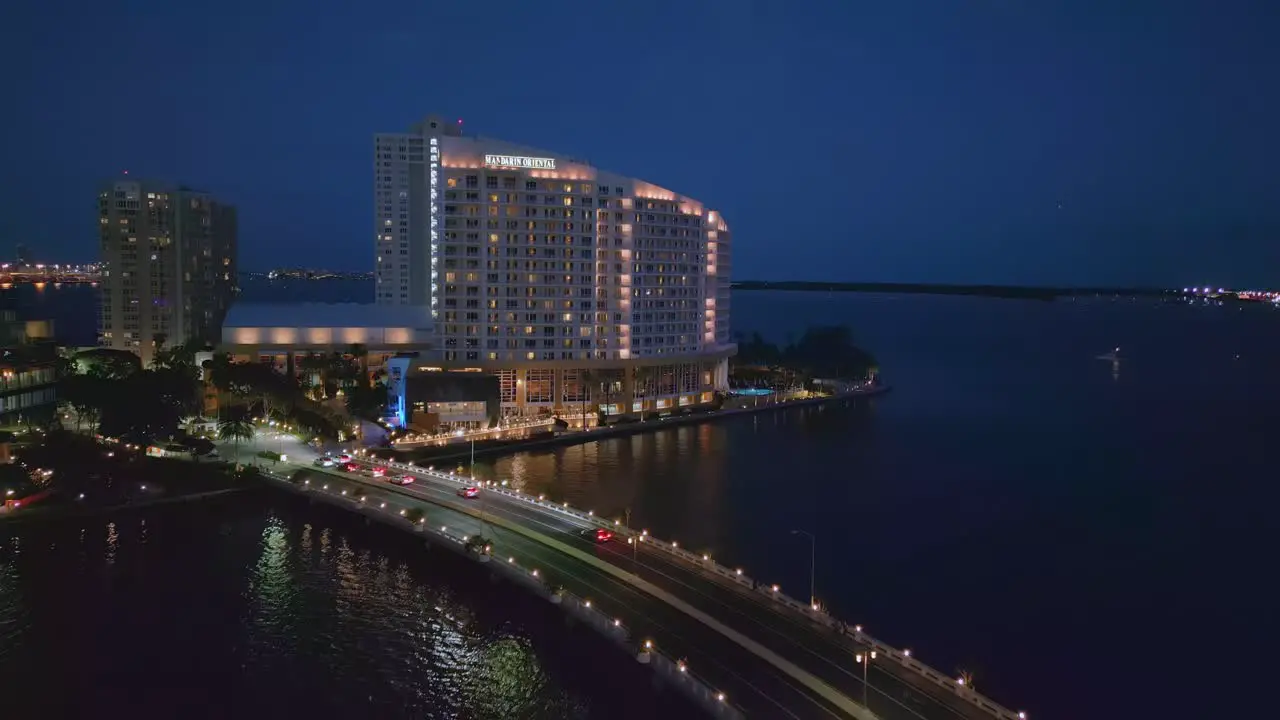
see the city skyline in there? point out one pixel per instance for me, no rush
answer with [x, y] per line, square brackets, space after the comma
[982, 143]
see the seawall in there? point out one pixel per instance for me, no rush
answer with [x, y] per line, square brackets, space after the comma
[636, 428]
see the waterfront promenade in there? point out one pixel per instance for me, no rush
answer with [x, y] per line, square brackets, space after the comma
[734, 406]
[771, 655]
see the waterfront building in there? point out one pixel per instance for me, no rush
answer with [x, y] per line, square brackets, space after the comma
[282, 334]
[28, 371]
[427, 399]
[168, 265]
[567, 282]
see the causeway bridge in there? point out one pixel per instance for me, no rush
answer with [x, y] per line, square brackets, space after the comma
[737, 646]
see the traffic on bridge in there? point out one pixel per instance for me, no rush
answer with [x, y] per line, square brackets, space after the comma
[771, 655]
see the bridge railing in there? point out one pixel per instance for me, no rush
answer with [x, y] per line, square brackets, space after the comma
[674, 671]
[737, 576]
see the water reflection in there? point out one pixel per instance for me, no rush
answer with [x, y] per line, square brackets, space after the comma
[284, 617]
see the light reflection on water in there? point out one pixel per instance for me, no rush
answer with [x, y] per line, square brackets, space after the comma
[280, 612]
[14, 613]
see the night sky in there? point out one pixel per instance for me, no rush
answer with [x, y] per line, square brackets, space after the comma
[1007, 141]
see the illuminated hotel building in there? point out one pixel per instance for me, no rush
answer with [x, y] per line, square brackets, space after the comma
[572, 284]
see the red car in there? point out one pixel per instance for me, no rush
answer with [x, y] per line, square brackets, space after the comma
[468, 492]
[352, 467]
[378, 471]
[599, 535]
[402, 480]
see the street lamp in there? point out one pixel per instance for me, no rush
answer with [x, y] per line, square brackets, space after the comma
[813, 598]
[634, 540]
[865, 658]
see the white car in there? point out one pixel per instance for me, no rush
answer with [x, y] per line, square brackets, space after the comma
[402, 480]
[325, 461]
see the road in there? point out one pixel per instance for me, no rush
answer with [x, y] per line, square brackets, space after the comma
[757, 685]
[750, 683]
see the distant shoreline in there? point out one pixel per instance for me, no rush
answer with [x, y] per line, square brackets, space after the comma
[1020, 292]
[39, 514]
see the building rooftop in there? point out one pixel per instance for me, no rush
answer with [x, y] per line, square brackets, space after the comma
[327, 315]
[319, 325]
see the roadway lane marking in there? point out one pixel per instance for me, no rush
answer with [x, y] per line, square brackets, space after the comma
[550, 557]
[538, 514]
[829, 693]
[821, 688]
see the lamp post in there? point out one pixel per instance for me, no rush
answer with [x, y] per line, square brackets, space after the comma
[635, 540]
[813, 598]
[864, 659]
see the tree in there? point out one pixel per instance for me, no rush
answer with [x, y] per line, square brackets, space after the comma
[109, 363]
[313, 423]
[755, 350]
[643, 386]
[180, 356]
[236, 427]
[586, 380]
[148, 404]
[86, 393]
[316, 365]
[360, 353]
[828, 351]
[366, 401]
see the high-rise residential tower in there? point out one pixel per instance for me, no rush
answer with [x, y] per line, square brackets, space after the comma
[552, 273]
[168, 265]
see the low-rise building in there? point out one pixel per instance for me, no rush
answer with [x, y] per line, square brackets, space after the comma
[281, 334]
[28, 385]
[429, 399]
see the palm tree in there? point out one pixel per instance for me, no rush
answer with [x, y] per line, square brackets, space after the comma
[366, 402]
[585, 380]
[643, 379]
[316, 365]
[360, 353]
[339, 372]
[236, 427]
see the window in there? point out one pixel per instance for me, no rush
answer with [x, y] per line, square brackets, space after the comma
[539, 385]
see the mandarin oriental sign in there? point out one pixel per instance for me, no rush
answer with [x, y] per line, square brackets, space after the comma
[525, 163]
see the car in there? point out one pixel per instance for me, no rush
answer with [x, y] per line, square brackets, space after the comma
[325, 461]
[599, 535]
[402, 480]
[468, 492]
[344, 457]
[351, 467]
[378, 471]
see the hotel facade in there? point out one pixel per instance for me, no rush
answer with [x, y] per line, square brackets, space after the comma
[571, 284]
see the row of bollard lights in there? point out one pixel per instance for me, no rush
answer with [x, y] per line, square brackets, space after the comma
[774, 589]
[646, 648]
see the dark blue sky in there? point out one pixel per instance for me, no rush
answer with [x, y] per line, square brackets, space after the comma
[1045, 141]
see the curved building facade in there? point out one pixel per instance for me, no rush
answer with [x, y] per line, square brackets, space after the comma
[574, 285]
